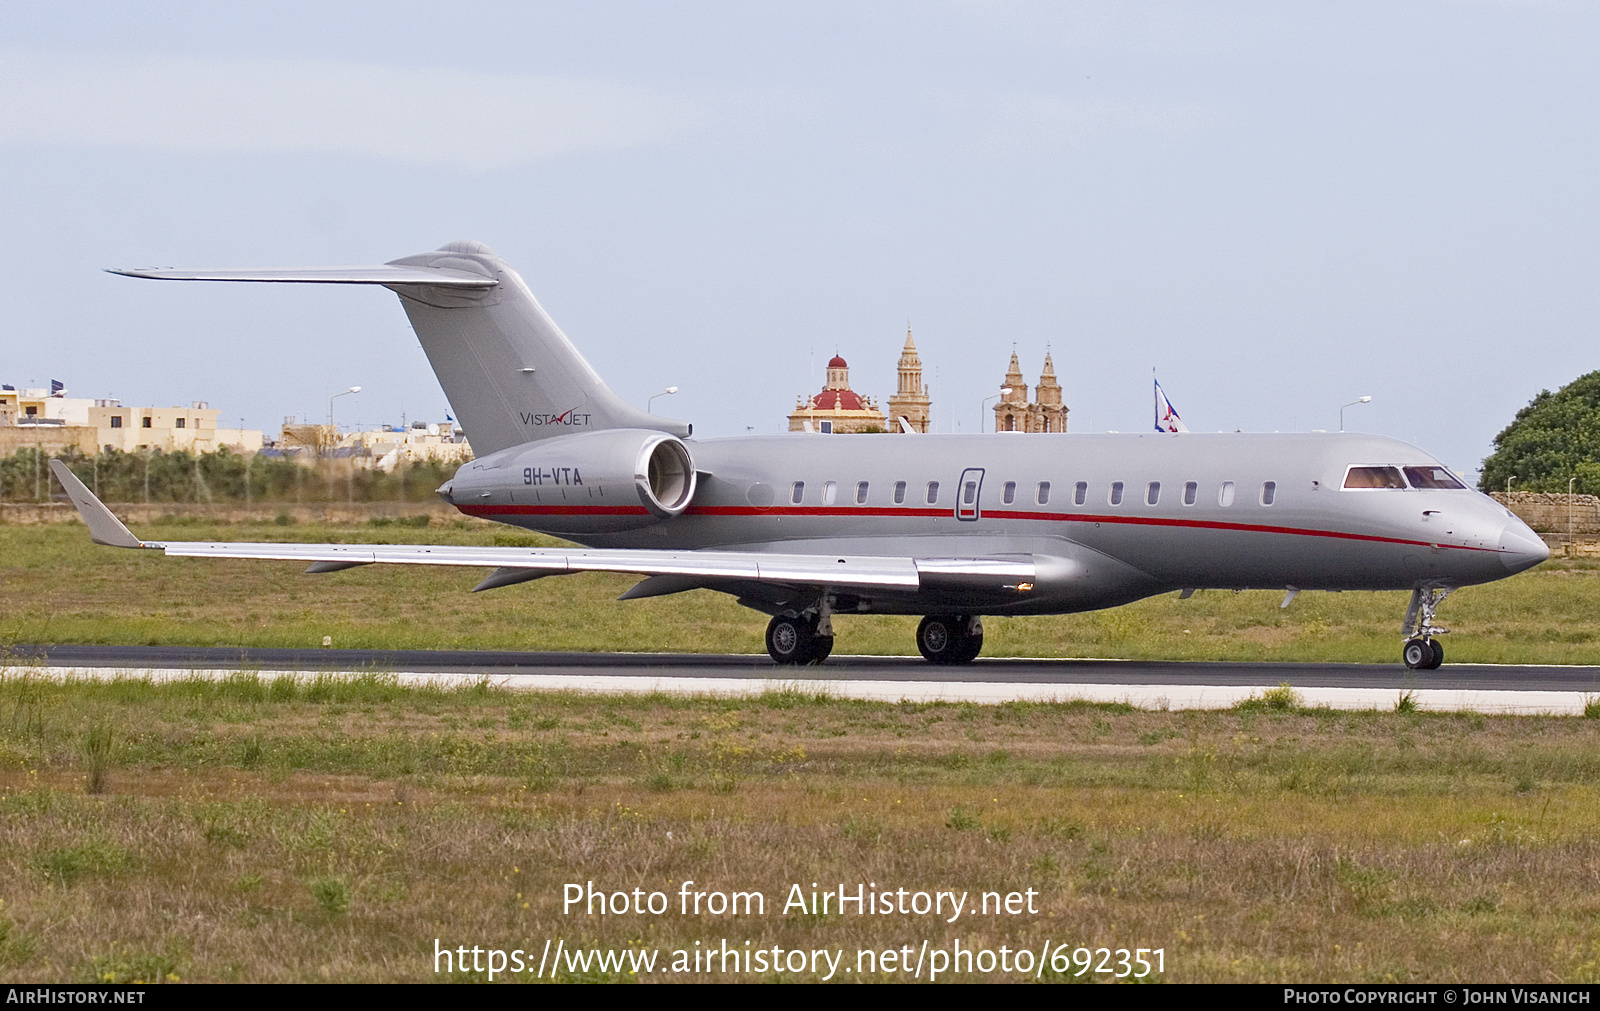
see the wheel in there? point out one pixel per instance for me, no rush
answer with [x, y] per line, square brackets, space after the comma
[943, 639]
[790, 640]
[1438, 654]
[821, 646]
[971, 646]
[1418, 654]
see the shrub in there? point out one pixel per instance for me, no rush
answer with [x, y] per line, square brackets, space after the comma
[332, 895]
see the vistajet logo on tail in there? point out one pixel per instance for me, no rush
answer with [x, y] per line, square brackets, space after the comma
[569, 419]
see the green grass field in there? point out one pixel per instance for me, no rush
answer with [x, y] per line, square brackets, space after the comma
[334, 830]
[56, 586]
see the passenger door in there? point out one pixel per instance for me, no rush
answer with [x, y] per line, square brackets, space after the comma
[969, 493]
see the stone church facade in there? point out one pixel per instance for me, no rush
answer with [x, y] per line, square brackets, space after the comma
[1044, 413]
[837, 410]
[911, 401]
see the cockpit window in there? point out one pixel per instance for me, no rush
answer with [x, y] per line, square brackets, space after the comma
[1432, 477]
[1374, 477]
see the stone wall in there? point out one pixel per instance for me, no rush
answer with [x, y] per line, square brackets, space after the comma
[52, 439]
[139, 513]
[1548, 512]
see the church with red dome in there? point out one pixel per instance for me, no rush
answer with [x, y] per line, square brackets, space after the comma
[837, 410]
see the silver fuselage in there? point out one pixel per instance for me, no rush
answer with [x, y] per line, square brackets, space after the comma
[1314, 534]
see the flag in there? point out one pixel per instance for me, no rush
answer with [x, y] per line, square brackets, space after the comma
[58, 388]
[1167, 419]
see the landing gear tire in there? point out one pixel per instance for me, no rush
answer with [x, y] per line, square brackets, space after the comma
[1423, 650]
[943, 639]
[1423, 654]
[794, 640]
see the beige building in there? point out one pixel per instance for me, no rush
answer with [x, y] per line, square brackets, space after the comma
[385, 447]
[1016, 413]
[911, 402]
[35, 417]
[837, 410]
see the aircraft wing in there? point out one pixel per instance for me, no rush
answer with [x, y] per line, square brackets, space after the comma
[863, 572]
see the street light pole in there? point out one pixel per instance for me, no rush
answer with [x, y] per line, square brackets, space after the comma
[648, 404]
[1570, 482]
[983, 407]
[1510, 479]
[1359, 400]
[336, 396]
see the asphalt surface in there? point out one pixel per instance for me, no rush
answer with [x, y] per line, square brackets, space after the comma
[1479, 677]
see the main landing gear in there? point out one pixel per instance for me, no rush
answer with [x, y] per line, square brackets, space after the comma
[1422, 651]
[807, 637]
[950, 639]
[800, 638]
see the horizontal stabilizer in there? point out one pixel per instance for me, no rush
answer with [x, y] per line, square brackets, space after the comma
[384, 273]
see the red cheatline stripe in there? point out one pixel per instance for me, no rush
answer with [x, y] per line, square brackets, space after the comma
[1064, 518]
[552, 510]
[923, 513]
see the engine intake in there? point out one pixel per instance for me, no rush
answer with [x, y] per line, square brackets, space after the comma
[593, 482]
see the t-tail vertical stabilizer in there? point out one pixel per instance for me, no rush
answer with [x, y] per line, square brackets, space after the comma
[510, 374]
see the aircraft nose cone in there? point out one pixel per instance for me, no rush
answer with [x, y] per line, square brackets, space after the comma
[1521, 548]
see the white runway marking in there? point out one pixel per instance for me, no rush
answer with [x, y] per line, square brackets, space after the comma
[1156, 697]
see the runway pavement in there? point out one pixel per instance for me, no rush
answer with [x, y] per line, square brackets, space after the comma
[1157, 684]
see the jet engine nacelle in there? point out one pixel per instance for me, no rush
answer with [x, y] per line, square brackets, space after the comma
[593, 482]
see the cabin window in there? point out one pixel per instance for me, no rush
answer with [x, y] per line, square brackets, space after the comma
[1432, 477]
[933, 492]
[1269, 491]
[830, 492]
[798, 493]
[1044, 492]
[1225, 494]
[899, 493]
[861, 493]
[1374, 477]
[1080, 493]
[116, 422]
[1116, 493]
[1008, 494]
[969, 492]
[1191, 492]
[1152, 493]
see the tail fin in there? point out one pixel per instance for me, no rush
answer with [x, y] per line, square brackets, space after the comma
[508, 371]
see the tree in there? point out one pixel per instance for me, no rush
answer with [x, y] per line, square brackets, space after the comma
[1552, 440]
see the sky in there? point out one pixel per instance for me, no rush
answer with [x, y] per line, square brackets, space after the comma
[1279, 207]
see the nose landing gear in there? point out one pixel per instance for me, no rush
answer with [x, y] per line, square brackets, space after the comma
[1422, 651]
[950, 639]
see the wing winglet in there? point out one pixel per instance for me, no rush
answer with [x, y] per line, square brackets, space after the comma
[104, 528]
